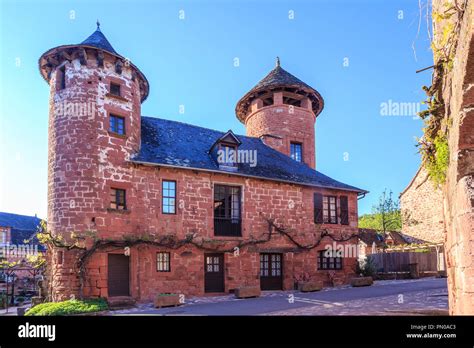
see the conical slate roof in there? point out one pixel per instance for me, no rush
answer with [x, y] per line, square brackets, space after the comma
[97, 39]
[279, 79]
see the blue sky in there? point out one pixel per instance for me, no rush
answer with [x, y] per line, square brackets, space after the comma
[190, 62]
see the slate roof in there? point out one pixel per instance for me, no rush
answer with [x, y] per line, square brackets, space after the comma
[21, 222]
[22, 227]
[160, 146]
[279, 77]
[368, 236]
[98, 40]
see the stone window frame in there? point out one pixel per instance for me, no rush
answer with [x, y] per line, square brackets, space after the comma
[296, 143]
[332, 263]
[110, 80]
[163, 261]
[61, 77]
[117, 207]
[115, 89]
[241, 204]
[112, 114]
[329, 210]
[163, 196]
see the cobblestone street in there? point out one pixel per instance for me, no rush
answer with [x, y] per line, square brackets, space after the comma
[426, 296]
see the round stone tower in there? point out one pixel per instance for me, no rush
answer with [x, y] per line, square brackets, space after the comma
[94, 127]
[282, 111]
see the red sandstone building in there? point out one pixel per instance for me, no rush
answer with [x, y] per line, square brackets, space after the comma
[173, 217]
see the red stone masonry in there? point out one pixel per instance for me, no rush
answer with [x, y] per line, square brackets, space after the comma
[86, 160]
[279, 124]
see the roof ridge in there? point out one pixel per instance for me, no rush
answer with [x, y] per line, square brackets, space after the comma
[202, 127]
[29, 216]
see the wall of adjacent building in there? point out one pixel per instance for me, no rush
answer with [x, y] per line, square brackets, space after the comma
[458, 95]
[422, 209]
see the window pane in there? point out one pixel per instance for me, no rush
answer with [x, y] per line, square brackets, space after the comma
[169, 195]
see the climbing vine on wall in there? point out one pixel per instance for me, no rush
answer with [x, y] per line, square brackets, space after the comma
[171, 242]
[433, 145]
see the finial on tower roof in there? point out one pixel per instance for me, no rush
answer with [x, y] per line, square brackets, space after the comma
[278, 61]
[98, 25]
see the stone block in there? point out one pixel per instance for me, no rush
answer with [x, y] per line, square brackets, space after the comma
[362, 281]
[167, 300]
[247, 291]
[310, 286]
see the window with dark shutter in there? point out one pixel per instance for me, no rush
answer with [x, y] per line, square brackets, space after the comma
[344, 210]
[318, 208]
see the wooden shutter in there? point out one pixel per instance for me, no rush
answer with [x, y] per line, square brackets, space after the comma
[344, 210]
[318, 208]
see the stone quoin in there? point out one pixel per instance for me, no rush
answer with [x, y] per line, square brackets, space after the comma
[117, 175]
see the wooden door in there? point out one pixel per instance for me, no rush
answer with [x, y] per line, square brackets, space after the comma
[118, 275]
[214, 272]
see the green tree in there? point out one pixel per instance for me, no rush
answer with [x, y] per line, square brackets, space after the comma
[386, 215]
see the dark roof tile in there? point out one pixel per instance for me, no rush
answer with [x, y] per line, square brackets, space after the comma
[160, 146]
[98, 40]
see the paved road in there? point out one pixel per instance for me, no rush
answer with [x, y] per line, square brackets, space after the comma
[383, 298]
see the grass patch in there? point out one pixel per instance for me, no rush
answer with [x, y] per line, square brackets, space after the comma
[68, 307]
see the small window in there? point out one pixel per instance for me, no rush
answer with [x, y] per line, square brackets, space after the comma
[115, 89]
[3, 237]
[169, 197]
[117, 124]
[163, 263]
[329, 210]
[117, 199]
[296, 151]
[331, 261]
[59, 257]
[227, 155]
[62, 77]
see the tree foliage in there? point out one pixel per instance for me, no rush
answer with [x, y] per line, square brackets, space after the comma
[386, 215]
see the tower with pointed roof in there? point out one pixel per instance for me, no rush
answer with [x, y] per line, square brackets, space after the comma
[94, 128]
[281, 110]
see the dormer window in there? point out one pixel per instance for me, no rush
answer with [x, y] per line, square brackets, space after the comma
[225, 151]
[115, 89]
[227, 155]
[296, 151]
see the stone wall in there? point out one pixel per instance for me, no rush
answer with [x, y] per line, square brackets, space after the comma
[290, 205]
[421, 204]
[86, 161]
[458, 94]
[280, 124]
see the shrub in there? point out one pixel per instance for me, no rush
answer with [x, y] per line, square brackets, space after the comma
[366, 268]
[68, 307]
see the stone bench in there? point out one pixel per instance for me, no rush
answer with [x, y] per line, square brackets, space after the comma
[362, 281]
[167, 300]
[247, 291]
[309, 286]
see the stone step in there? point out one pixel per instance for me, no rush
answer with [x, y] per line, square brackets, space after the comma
[118, 302]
